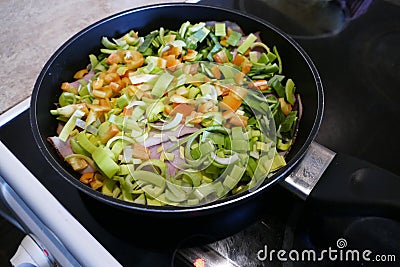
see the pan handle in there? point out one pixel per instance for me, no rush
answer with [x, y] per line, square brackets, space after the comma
[342, 184]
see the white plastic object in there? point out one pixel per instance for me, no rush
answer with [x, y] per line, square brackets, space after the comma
[29, 254]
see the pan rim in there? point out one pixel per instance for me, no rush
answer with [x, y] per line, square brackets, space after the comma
[222, 203]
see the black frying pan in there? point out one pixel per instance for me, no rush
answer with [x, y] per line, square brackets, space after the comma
[223, 216]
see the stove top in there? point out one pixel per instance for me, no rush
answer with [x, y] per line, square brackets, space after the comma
[356, 53]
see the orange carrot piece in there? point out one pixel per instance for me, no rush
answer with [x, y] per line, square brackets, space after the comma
[80, 73]
[216, 72]
[184, 109]
[232, 101]
[87, 177]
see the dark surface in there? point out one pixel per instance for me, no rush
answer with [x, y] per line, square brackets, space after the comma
[10, 238]
[351, 186]
[359, 68]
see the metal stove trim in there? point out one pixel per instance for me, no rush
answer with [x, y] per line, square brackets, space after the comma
[13, 112]
[74, 237]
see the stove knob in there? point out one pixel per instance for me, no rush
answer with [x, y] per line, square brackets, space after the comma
[29, 254]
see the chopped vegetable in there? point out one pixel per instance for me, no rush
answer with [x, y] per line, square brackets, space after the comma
[144, 128]
[247, 43]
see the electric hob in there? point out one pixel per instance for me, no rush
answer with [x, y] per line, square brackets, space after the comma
[354, 45]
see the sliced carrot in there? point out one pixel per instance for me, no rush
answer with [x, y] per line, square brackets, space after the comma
[184, 109]
[113, 68]
[80, 73]
[140, 152]
[136, 62]
[227, 114]
[127, 111]
[97, 182]
[221, 57]
[67, 87]
[113, 131]
[260, 85]
[238, 59]
[246, 66]
[167, 109]
[115, 87]
[216, 72]
[238, 77]
[113, 58]
[111, 77]
[171, 61]
[98, 83]
[232, 101]
[108, 134]
[238, 120]
[190, 55]
[87, 177]
[105, 102]
[285, 107]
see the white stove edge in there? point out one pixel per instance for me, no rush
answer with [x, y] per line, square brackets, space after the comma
[63, 237]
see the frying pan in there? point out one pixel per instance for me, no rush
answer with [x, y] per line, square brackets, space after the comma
[346, 182]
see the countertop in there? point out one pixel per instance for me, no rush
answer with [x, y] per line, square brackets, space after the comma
[32, 30]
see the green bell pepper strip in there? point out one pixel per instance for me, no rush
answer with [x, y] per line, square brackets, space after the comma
[279, 59]
[183, 29]
[277, 86]
[283, 146]
[289, 91]
[93, 61]
[147, 42]
[288, 123]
